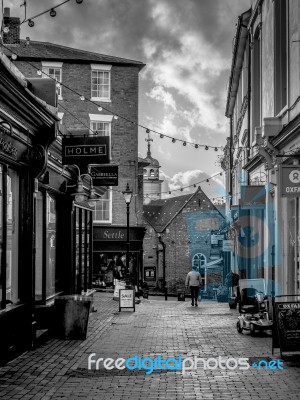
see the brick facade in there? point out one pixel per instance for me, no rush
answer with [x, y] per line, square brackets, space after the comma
[184, 224]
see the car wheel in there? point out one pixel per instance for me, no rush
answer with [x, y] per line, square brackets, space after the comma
[238, 327]
[252, 329]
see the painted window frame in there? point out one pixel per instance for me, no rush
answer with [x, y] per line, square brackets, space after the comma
[46, 65]
[100, 202]
[101, 69]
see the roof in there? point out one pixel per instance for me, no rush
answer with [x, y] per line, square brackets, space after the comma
[160, 213]
[152, 161]
[56, 52]
[237, 61]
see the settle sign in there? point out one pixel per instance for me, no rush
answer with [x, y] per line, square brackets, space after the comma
[290, 181]
[85, 150]
[105, 175]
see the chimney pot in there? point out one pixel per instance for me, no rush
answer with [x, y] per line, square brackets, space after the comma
[12, 25]
[6, 13]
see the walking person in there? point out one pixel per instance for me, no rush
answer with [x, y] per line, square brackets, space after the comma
[193, 280]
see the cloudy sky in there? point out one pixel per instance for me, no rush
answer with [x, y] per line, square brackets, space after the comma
[187, 48]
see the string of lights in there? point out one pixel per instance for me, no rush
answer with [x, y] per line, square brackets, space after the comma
[148, 130]
[51, 12]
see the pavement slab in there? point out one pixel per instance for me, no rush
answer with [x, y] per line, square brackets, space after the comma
[58, 369]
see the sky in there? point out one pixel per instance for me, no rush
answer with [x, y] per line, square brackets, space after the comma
[187, 48]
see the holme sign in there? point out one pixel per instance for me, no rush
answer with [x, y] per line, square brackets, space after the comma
[85, 150]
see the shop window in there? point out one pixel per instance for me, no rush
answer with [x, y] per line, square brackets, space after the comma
[45, 259]
[103, 208]
[9, 224]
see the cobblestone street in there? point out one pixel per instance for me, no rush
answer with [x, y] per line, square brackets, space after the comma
[58, 368]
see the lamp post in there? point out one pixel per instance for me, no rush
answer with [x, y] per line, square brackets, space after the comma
[127, 196]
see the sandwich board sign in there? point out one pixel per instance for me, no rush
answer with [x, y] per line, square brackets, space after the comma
[126, 299]
[288, 325]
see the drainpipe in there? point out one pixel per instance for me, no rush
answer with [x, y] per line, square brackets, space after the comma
[249, 102]
[230, 163]
[164, 266]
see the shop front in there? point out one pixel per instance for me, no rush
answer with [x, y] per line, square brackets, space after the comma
[110, 252]
[27, 127]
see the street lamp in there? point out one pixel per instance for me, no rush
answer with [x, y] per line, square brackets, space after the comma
[127, 197]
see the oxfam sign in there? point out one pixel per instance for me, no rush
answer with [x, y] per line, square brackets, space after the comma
[290, 181]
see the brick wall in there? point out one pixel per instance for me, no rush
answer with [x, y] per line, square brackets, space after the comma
[188, 234]
[124, 134]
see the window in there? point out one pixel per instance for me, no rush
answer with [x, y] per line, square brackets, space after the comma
[256, 84]
[54, 70]
[280, 55]
[100, 86]
[100, 125]
[199, 261]
[151, 172]
[45, 259]
[103, 208]
[145, 172]
[9, 233]
[100, 128]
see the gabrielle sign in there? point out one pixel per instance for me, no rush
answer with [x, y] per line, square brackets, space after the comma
[85, 150]
[290, 181]
[105, 175]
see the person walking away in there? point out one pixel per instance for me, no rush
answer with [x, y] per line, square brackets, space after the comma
[193, 280]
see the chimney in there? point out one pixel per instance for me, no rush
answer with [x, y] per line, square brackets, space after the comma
[13, 24]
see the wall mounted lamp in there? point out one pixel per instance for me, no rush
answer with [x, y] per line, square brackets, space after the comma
[80, 194]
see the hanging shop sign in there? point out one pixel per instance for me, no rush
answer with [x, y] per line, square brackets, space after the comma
[126, 299]
[105, 175]
[289, 181]
[253, 197]
[85, 150]
[288, 325]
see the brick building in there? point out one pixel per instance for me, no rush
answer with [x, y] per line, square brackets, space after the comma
[179, 231]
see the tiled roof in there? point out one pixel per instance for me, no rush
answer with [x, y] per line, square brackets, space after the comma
[49, 51]
[160, 212]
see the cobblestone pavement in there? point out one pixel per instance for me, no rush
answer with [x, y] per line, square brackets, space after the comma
[58, 369]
